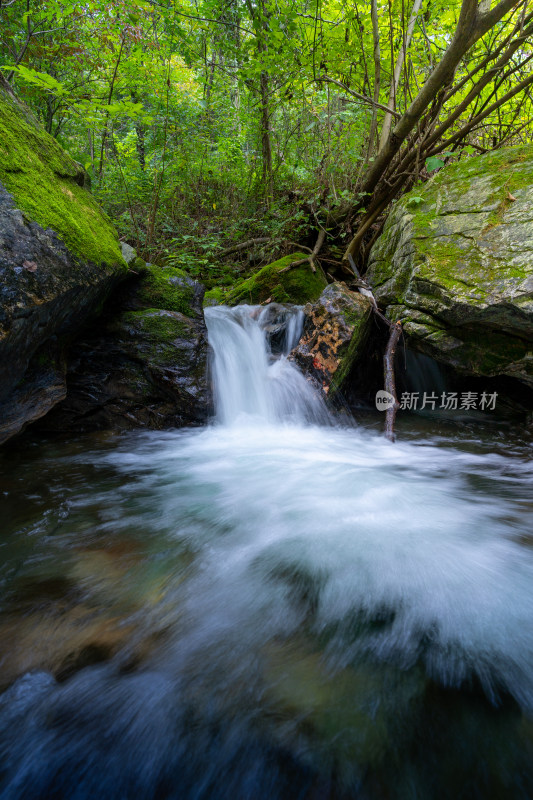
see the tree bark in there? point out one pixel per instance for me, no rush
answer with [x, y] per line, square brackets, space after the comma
[390, 383]
[266, 143]
[377, 78]
[471, 26]
[387, 120]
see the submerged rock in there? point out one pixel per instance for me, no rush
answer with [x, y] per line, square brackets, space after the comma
[59, 259]
[146, 364]
[454, 264]
[334, 335]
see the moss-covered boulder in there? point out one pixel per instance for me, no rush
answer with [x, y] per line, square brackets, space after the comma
[59, 258]
[145, 364]
[455, 264]
[171, 289]
[275, 282]
[215, 296]
[334, 335]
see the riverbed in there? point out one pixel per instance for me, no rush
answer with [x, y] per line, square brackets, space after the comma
[273, 606]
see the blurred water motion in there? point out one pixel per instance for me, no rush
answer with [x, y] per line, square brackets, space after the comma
[266, 608]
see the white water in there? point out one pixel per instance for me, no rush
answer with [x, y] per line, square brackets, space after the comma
[430, 534]
[333, 576]
[248, 380]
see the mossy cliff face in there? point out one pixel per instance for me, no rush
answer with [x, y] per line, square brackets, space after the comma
[457, 267]
[59, 258]
[145, 364]
[297, 285]
[334, 335]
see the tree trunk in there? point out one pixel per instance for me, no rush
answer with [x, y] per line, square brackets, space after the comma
[387, 119]
[471, 26]
[377, 79]
[390, 383]
[266, 143]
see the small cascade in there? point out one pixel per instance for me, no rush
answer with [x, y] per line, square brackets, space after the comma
[251, 374]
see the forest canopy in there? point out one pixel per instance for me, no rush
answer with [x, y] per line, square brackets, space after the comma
[207, 124]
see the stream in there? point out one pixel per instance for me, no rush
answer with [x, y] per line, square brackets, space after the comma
[273, 607]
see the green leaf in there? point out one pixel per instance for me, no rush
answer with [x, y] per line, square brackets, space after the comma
[433, 163]
[415, 201]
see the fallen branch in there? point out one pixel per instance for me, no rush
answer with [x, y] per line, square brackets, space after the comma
[244, 245]
[390, 384]
[314, 252]
[395, 329]
[363, 287]
[259, 240]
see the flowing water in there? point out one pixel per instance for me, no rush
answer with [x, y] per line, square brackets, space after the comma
[271, 607]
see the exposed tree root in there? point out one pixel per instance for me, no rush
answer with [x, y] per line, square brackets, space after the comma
[314, 252]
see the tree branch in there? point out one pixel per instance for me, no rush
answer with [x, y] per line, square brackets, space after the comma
[364, 98]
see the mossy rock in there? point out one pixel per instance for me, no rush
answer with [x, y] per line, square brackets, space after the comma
[171, 289]
[47, 185]
[144, 368]
[335, 332]
[454, 264]
[59, 255]
[298, 285]
[215, 296]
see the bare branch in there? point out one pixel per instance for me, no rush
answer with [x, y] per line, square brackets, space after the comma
[364, 98]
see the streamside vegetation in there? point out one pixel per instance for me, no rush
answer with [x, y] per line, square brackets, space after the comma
[220, 135]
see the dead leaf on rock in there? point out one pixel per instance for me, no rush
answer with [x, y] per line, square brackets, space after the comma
[31, 266]
[510, 197]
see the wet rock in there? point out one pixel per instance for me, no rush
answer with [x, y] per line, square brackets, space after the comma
[83, 610]
[456, 266]
[145, 365]
[334, 335]
[59, 259]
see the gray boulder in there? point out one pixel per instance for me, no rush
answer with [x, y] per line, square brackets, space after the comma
[145, 365]
[455, 265]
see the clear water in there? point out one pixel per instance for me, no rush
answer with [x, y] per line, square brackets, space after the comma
[267, 607]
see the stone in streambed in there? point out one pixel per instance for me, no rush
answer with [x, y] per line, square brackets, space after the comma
[146, 364]
[334, 336]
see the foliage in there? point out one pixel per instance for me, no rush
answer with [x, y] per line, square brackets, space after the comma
[209, 123]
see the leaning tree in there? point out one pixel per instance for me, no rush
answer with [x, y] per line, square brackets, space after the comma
[484, 71]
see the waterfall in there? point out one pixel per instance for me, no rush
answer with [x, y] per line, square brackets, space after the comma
[266, 608]
[252, 376]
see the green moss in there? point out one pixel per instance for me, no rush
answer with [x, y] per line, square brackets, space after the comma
[168, 288]
[298, 285]
[358, 318]
[44, 182]
[215, 296]
[163, 326]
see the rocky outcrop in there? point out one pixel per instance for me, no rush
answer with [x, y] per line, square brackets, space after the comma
[274, 283]
[334, 335]
[145, 364]
[59, 258]
[455, 265]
